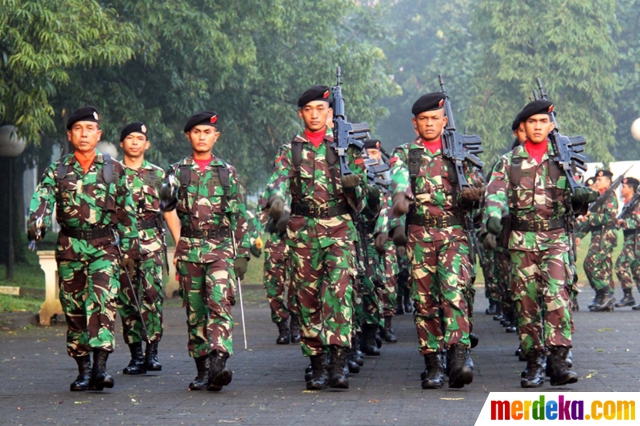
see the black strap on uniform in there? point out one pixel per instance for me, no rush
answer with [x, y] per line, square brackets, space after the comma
[296, 159]
[223, 176]
[515, 176]
[415, 163]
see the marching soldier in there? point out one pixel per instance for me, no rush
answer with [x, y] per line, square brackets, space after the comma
[208, 219]
[437, 242]
[313, 203]
[628, 263]
[529, 186]
[96, 215]
[598, 264]
[141, 313]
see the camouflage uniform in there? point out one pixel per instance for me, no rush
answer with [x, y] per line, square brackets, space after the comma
[439, 251]
[144, 184]
[598, 264]
[628, 263]
[205, 253]
[540, 260]
[321, 236]
[88, 266]
[277, 273]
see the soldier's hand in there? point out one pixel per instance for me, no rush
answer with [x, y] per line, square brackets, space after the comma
[350, 181]
[34, 233]
[494, 226]
[381, 241]
[282, 223]
[401, 251]
[277, 207]
[398, 236]
[584, 195]
[472, 194]
[373, 198]
[129, 266]
[240, 266]
[400, 204]
[490, 242]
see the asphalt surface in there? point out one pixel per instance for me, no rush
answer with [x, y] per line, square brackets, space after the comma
[268, 386]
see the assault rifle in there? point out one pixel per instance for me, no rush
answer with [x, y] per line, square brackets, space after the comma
[629, 207]
[376, 171]
[456, 147]
[567, 149]
[344, 132]
[607, 193]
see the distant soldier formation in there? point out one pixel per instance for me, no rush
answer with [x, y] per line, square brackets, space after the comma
[353, 236]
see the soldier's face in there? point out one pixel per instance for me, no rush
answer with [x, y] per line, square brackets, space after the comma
[537, 127]
[374, 153]
[626, 191]
[202, 138]
[84, 136]
[135, 145]
[315, 114]
[330, 119]
[429, 124]
[520, 134]
[602, 183]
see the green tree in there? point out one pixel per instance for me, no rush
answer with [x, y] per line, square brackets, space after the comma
[568, 44]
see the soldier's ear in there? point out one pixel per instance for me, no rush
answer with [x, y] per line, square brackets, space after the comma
[300, 113]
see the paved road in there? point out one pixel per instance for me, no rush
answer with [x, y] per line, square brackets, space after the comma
[268, 386]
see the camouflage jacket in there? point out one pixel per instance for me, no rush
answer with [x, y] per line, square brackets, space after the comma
[632, 222]
[204, 206]
[537, 197]
[602, 223]
[318, 189]
[86, 202]
[434, 191]
[145, 185]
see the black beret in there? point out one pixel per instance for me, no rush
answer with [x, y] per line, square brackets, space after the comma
[590, 181]
[516, 123]
[631, 181]
[371, 144]
[605, 173]
[208, 118]
[86, 113]
[138, 127]
[315, 93]
[539, 106]
[428, 102]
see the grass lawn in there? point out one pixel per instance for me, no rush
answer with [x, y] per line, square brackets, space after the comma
[19, 304]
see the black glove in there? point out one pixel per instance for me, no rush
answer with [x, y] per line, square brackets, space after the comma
[584, 195]
[401, 251]
[240, 266]
[350, 181]
[494, 226]
[32, 233]
[400, 204]
[282, 223]
[380, 242]
[399, 237]
[168, 199]
[373, 198]
[277, 207]
[490, 242]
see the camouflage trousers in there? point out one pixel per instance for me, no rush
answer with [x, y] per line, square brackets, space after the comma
[541, 299]
[503, 275]
[598, 264]
[441, 278]
[388, 294]
[277, 280]
[206, 290]
[628, 264]
[323, 278]
[372, 285]
[148, 292]
[488, 265]
[88, 294]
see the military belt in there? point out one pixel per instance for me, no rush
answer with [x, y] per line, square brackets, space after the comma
[537, 225]
[434, 221]
[209, 234]
[319, 212]
[629, 232]
[147, 224]
[87, 234]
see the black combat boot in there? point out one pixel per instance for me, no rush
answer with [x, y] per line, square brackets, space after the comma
[84, 374]
[318, 380]
[597, 300]
[461, 369]
[570, 359]
[151, 357]
[368, 344]
[294, 328]
[100, 379]
[355, 344]
[136, 365]
[533, 375]
[400, 304]
[433, 375]
[200, 382]
[219, 374]
[491, 310]
[606, 301]
[354, 368]
[389, 334]
[283, 330]
[636, 308]
[338, 357]
[627, 300]
[408, 303]
[559, 371]
[498, 315]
